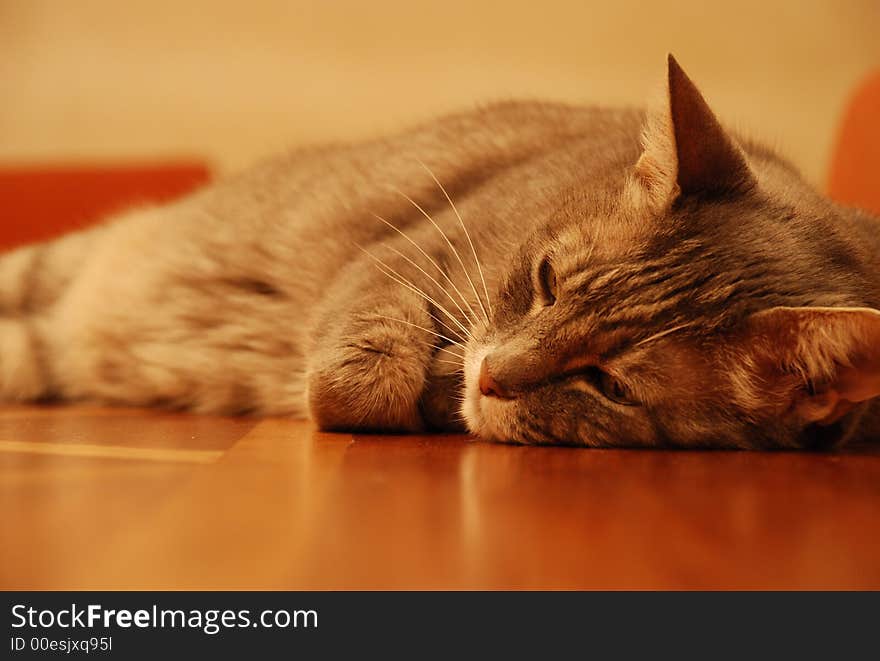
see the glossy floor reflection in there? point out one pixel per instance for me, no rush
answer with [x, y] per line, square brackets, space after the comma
[109, 498]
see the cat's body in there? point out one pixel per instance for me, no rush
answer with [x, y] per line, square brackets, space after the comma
[214, 302]
[289, 289]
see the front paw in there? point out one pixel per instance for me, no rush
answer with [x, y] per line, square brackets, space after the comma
[372, 383]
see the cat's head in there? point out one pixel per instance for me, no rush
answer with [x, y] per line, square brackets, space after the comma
[710, 299]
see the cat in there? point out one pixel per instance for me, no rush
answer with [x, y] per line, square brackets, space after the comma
[528, 272]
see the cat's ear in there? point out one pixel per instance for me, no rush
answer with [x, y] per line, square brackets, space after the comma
[817, 363]
[685, 149]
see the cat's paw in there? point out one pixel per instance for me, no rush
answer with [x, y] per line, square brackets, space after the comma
[372, 383]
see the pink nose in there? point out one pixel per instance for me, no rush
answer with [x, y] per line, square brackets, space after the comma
[489, 386]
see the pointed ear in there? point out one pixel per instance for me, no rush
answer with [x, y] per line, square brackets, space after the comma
[686, 151]
[817, 363]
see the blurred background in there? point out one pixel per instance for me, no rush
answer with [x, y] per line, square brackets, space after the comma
[229, 82]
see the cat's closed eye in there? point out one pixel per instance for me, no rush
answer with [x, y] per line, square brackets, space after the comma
[547, 285]
[615, 389]
[609, 386]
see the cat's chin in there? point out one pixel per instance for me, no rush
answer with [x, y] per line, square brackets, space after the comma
[470, 404]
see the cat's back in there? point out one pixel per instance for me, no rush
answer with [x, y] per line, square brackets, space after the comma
[466, 147]
[308, 208]
[292, 224]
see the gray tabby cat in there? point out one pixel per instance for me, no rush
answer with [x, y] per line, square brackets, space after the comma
[644, 279]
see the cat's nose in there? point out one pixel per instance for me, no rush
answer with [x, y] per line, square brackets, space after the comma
[489, 386]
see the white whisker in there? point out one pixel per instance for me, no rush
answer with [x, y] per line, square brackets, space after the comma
[445, 325]
[442, 348]
[470, 242]
[450, 244]
[450, 362]
[435, 264]
[416, 290]
[449, 351]
[409, 285]
[657, 336]
[434, 280]
[409, 323]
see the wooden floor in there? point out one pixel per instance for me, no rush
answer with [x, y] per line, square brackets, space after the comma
[111, 498]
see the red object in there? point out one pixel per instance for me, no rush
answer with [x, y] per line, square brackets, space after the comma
[41, 202]
[854, 177]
